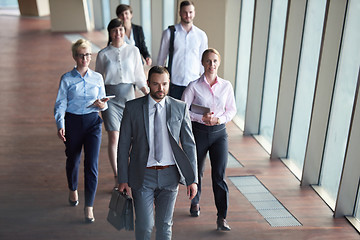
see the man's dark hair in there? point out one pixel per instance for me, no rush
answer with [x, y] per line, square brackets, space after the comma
[186, 3]
[158, 70]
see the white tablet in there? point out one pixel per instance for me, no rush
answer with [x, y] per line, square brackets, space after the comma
[110, 96]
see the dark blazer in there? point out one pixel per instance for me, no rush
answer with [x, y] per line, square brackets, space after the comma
[134, 135]
[140, 40]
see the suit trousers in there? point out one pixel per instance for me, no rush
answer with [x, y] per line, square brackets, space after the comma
[176, 91]
[213, 139]
[160, 188]
[83, 130]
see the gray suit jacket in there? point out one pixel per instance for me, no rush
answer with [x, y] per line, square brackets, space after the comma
[134, 141]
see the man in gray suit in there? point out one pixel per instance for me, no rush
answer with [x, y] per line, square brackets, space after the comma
[152, 129]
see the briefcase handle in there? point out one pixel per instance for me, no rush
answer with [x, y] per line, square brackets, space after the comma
[122, 193]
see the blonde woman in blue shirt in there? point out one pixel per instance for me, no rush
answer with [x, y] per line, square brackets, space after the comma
[80, 97]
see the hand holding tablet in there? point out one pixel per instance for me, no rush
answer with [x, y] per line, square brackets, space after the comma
[105, 99]
[109, 97]
[199, 109]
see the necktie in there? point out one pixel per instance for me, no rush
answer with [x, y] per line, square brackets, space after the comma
[157, 134]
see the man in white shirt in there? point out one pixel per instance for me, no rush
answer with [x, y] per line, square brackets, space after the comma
[189, 44]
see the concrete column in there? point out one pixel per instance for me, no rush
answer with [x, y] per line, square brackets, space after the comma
[257, 66]
[288, 77]
[69, 16]
[350, 178]
[324, 90]
[37, 8]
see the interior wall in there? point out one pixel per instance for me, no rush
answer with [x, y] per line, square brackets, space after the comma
[69, 16]
[231, 39]
[156, 29]
[210, 17]
[136, 7]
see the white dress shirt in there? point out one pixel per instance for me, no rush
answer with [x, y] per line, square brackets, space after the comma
[168, 155]
[188, 50]
[121, 65]
[131, 40]
[218, 97]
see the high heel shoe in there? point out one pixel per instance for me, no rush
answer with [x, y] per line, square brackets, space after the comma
[73, 203]
[88, 219]
[73, 195]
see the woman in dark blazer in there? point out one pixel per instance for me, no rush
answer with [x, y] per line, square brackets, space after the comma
[134, 34]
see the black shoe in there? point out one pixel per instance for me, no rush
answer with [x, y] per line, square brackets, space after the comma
[195, 210]
[222, 225]
[89, 220]
[73, 203]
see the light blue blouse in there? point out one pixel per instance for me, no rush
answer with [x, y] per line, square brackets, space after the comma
[76, 94]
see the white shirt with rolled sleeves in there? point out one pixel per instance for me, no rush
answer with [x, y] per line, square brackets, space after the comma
[121, 65]
[219, 98]
[188, 50]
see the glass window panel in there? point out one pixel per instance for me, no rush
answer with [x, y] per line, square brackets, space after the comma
[244, 50]
[342, 103]
[168, 13]
[306, 81]
[89, 5]
[146, 21]
[9, 3]
[106, 13]
[273, 68]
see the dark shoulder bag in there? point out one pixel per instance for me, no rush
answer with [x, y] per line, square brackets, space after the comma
[171, 46]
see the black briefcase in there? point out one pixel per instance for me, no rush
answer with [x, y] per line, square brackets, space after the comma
[121, 214]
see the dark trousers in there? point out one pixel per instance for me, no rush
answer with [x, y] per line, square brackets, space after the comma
[213, 139]
[83, 130]
[176, 91]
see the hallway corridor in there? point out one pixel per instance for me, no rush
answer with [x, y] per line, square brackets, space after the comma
[33, 190]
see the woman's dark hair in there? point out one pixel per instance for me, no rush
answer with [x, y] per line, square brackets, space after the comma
[114, 23]
[122, 8]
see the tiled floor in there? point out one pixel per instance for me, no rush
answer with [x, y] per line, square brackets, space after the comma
[33, 191]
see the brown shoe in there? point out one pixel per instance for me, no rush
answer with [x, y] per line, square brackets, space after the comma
[222, 225]
[195, 210]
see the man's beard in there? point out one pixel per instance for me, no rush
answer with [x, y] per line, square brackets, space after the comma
[186, 21]
[156, 96]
